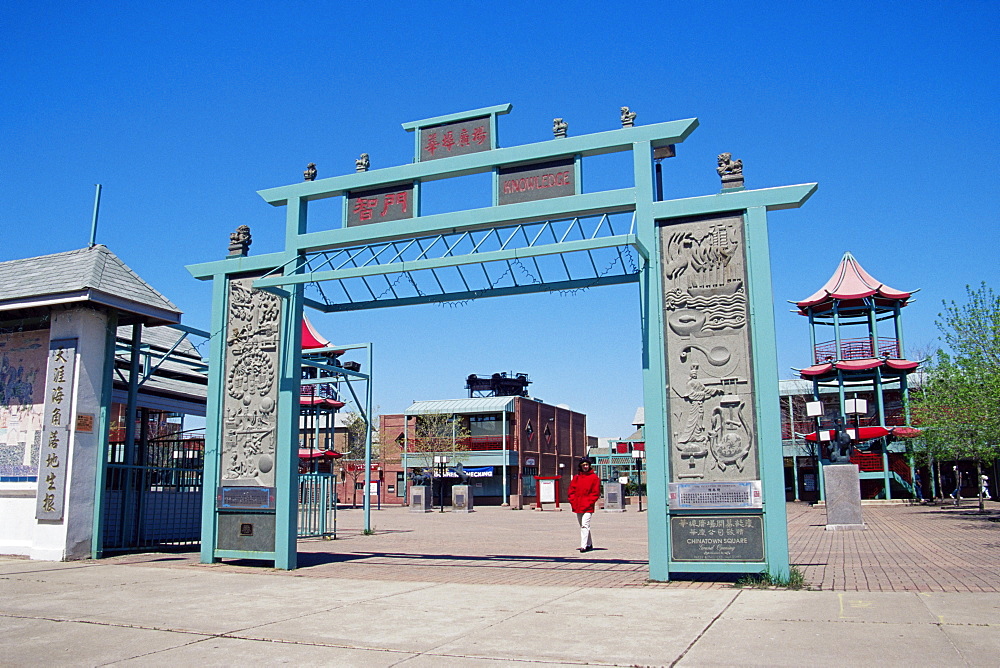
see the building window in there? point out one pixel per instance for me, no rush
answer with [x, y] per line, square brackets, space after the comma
[484, 425]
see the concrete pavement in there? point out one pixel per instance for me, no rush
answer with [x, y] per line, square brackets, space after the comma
[414, 594]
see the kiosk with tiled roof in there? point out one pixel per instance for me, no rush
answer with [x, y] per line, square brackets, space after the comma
[864, 359]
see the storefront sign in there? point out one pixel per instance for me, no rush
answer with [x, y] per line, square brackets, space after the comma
[527, 183]
[472, 472]
[380, 206]
[717, 538]
[445, 141]
[53, 458]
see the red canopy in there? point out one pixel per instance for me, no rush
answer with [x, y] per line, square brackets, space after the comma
[321, 402]
[905, 432]
[851, 282]
[304, 453]
[864, 433]
[829, 368]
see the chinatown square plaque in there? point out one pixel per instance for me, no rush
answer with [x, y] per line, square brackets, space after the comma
[717, 538]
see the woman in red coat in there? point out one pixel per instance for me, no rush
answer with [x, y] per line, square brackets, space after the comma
[584, 491]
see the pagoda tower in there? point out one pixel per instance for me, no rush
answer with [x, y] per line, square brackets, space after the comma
[857, 343]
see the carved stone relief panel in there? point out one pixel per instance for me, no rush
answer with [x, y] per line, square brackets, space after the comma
[251, 384]
[709, 372]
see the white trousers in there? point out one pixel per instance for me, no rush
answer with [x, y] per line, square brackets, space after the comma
[584, 520]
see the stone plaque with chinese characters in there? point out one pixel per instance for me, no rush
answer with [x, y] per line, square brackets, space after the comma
[444, 141]
[380, 206]
[705, 495]
[713, 436]
[53, 457]
[527, 183]
[246, 498]
[717, 538]
[249, 432]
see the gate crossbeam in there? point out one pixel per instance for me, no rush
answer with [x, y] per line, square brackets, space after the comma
[435, 268]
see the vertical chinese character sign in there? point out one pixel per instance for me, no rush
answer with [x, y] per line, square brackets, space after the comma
[54, 452]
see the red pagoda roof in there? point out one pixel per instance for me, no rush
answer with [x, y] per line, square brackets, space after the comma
[312, 339]
[829, 369]
[850, 282]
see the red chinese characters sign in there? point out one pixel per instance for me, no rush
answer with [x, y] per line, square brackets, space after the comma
[445, 141]
[380, 206]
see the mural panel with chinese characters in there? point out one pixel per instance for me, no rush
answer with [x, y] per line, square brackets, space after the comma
[710, 398]
[251, 386]
[54, 456]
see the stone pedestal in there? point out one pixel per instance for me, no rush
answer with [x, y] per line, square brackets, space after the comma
[420, 499]
[614, 501]
[843, 498]
[461, 499]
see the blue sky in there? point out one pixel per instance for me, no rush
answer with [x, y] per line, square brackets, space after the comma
[185, 110]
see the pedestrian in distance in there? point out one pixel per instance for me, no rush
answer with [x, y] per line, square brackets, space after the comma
[584, 491]
[957, 494]
[986, 486]
[918, 487]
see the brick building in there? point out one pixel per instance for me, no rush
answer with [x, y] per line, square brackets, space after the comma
[502, 443]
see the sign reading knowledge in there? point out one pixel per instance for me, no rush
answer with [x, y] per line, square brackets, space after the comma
[527, 183]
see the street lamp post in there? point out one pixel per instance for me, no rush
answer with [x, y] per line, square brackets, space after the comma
[441, 461]
[638, 456]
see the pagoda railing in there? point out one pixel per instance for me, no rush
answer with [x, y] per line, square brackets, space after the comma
[855, 349]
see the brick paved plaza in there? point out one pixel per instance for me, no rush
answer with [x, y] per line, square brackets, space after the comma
[915, 548]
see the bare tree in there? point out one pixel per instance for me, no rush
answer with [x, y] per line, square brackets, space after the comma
[353, 464]
[436, 435]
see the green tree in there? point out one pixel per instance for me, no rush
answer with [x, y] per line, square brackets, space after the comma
[959, 406]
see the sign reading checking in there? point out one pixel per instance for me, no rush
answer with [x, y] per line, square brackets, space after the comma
[445, 141]
[527, 183]
[380, 206]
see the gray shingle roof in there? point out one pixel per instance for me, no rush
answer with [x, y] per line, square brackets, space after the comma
[84, 275]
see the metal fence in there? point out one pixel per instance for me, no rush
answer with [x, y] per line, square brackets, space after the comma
[152, 495]
[317, 505]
